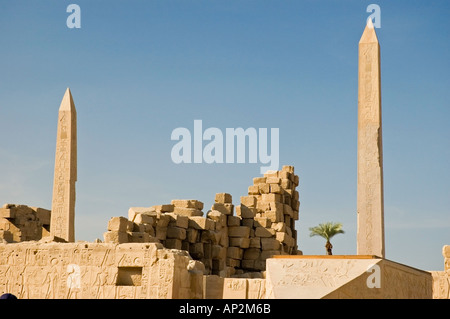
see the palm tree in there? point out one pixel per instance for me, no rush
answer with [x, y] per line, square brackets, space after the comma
[327, 231]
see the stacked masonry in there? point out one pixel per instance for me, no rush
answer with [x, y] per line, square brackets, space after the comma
[227, 244]
[22, 223]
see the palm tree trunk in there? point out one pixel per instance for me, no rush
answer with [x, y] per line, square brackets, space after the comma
[329, 248]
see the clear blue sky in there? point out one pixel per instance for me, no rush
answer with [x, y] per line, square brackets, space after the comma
[139, 69]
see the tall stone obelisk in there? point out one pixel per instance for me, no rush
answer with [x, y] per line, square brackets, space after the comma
[370, 202]
[62, 224]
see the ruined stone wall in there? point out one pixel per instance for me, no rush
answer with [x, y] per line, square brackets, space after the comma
[23, 223]
[98, 270]
[227, 244]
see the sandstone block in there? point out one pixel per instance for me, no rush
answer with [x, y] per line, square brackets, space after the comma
[249, 201]
[163, 220]
[264, 232]
[245, 212]
[118, 224]
[233, 221]
[238, 231]
[192, 235]
[235, 252]
[248, 263]
[275, 188]
[187, 203]
[138, 237]
[251, 253]
[264, 188]
[134, 210]
[187, 211]
[173, 243]
[253, 190]
[178, 220]
[274, 215]
[255, 242]
[166, 208]
[259, 180]
[262, 222]
[218, 252]
[269, 254]
[196, 250]
[270, 244]
[223, 198]
[247, 222]
[161, 232]
[279, 227]
[203, 223]
[288, 168]
[271, 197]
[176, 232]
[273, 180]
[224, 208]
[271, 173]
[286, 183]
[7, 212]
[287, 210]
[144, 219]
[230, 262]
[115, 237]
[240, 242]
[43, 215]
[6, 235]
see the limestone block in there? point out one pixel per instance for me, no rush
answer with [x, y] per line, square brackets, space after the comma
[224, 208]
[296, 180]
[286, 175]
[287, 210]
[270, 244]
[187, 211]
[239, 242]
[223, 198]
[251, 253]
[218, 217]
[178, 220]
[187, 203]
[238, 231]
[202, 223]
[244, 211]
[264, 232]
[249, 201]
[233, 221]
[253, 190]
[118, 224]
[288, 168]
[176, 232]
[115, 237]
[259, 180]
[218, 265]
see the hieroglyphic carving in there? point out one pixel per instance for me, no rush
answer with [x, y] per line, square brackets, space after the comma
[370, 211]
[63, 202]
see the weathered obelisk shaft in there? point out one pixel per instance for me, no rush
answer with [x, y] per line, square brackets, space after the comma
[370, 203]
[62, 222]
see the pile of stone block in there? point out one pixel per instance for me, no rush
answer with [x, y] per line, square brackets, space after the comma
[23, 223]
[227, 244]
